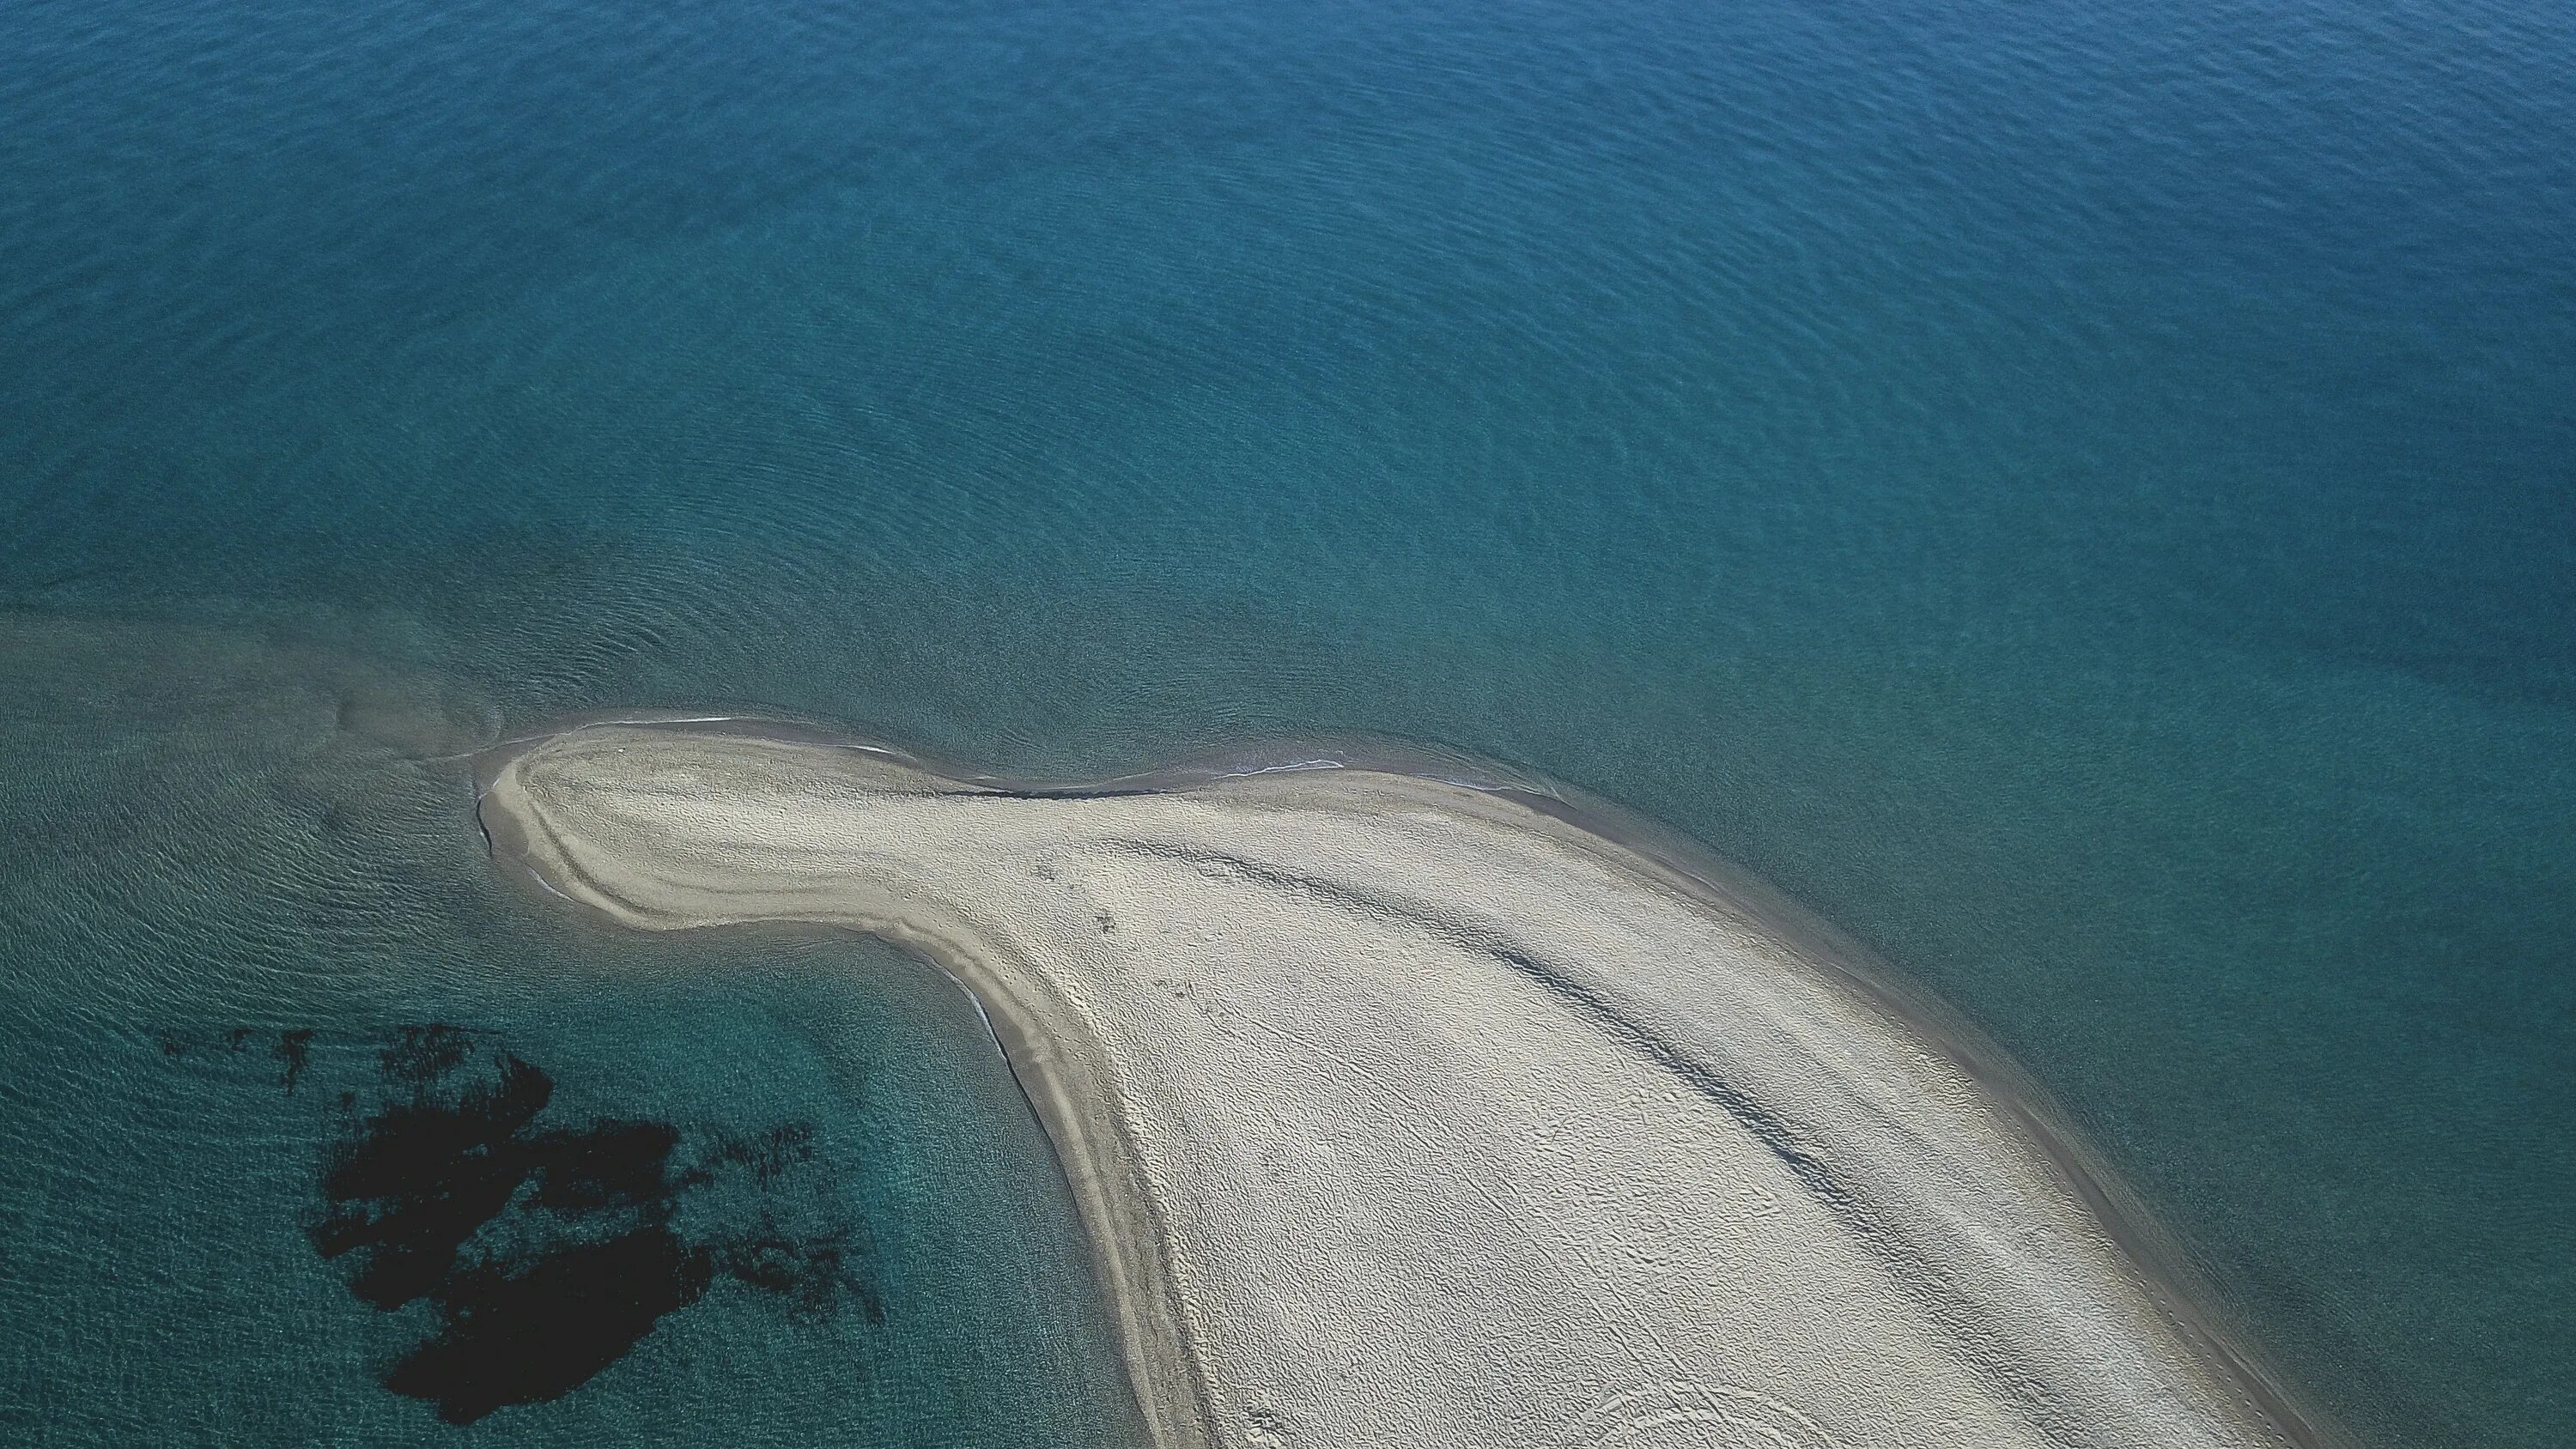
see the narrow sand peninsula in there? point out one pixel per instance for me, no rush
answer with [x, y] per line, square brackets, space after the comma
[1403, 1113]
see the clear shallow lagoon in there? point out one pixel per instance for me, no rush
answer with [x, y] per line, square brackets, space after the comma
[2079, 497]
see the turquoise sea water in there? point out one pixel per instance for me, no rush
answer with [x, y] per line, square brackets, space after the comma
[2079, 496]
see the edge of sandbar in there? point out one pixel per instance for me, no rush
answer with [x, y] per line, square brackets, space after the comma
[1124, 1231]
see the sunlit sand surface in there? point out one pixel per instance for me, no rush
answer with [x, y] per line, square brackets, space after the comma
[1405, 1113]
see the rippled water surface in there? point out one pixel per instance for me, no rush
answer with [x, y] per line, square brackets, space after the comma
[2080, 496]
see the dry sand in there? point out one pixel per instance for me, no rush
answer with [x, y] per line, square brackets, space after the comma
[1406, 1113]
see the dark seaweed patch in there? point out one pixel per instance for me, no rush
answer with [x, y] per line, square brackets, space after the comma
[294, 1049]
[545, 1251]
[423, 1054]
[810, 1273]
[764, 1155]
[422, 1176]
[525, 1332]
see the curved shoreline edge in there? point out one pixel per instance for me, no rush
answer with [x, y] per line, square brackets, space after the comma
[1061, 1076]
[1120, 1226]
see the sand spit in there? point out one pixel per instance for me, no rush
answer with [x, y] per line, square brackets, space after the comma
[1408, 1113]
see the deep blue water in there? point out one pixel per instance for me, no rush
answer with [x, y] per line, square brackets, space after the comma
[2081, 496]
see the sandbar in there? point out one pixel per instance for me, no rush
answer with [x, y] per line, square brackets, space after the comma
[1403, 1110]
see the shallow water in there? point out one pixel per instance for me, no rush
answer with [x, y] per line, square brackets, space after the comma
[2078, 497]
[259, 972]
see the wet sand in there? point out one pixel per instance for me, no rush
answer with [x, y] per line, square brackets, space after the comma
[1431, 1109]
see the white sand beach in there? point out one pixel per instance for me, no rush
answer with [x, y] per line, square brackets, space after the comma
[1403, 1113]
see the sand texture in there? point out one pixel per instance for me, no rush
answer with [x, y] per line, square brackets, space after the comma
[1405, 1114]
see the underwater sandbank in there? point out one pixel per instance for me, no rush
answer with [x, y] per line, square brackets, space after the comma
[1406, 1107]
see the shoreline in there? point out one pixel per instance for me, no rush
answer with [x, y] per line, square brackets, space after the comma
[1131, 1236]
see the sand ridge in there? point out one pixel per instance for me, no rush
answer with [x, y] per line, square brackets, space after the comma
[1402, 1112]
